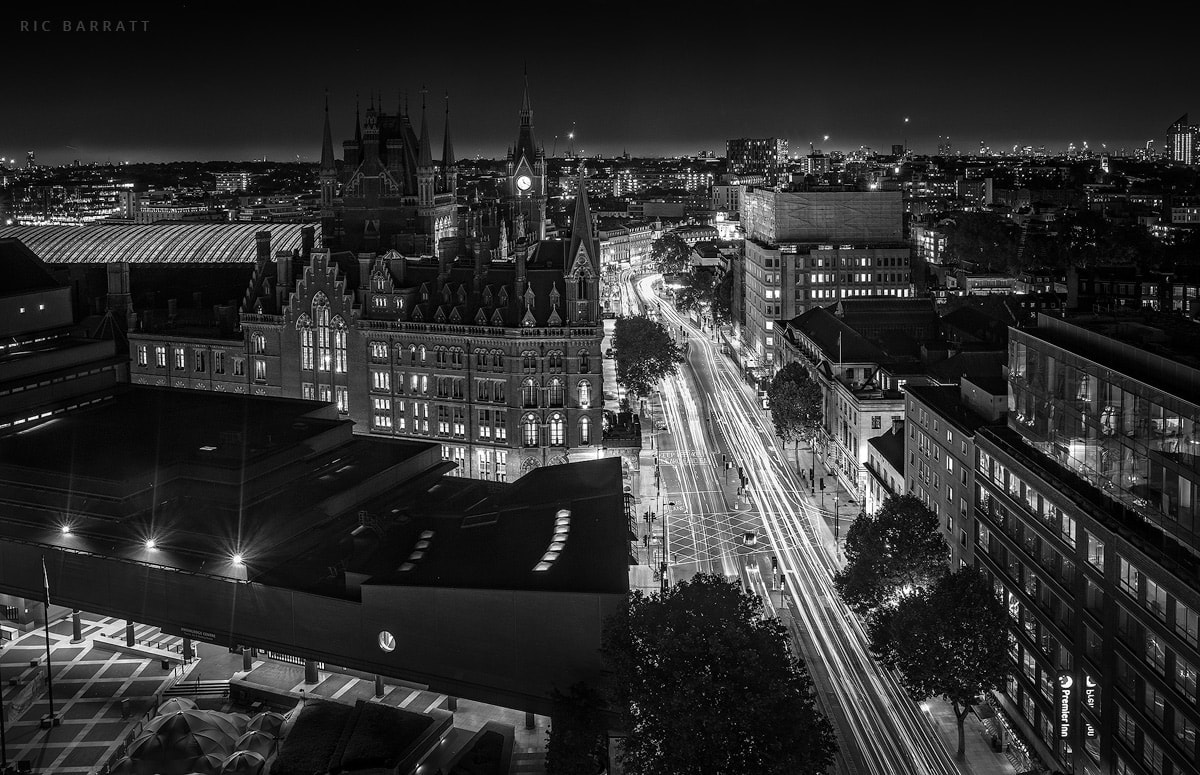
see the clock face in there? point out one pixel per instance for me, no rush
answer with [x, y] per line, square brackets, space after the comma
[524, 182]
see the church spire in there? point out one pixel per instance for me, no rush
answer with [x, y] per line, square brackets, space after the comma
[425, 155]
[357, 125]
[581, 225]
[327, 162]
[526, 110]
[447, 145]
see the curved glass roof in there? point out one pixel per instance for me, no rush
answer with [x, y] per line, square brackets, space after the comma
[155, 243]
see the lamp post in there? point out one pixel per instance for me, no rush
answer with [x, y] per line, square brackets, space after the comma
[662, 565]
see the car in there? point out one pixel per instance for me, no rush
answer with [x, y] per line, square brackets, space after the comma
[750, 538]
[660, 424]
[610, 353]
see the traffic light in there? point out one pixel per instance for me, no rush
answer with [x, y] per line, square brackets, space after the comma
[811, 474]
[822, 483]
[774, 562]
[724, 458]
[646, 541]
[741, 473]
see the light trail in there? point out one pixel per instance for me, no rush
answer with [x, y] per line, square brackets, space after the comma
[880, 729]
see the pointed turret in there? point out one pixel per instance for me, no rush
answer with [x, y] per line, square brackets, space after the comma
[357, 125]
[327, 160]
[447, 144]
[581, 226]
[526, 110]
[424, 153]
[526, 144]
[426, 171]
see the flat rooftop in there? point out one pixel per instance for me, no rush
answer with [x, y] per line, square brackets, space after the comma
[306, 504]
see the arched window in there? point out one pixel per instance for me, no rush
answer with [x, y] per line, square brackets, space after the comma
[529, 431]
[498, 360]
[320, 306]
[556, 392]
[304, 326]
[585, 394]
[339, 345]
[529, 361]
[259, 344]
[585, 362]
[558, 436]
[439, 356]
[554, 360]
[529, 391]
[412, 353]
[585, 430]
[480, 358]
[421, 353]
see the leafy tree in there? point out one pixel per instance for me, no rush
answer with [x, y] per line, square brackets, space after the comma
[645, 353]
[797, 404]
[895, 552]
[670, 253]
[987, 240]
[722, 301]
[950, 641]
[706, 685]
[577, 743]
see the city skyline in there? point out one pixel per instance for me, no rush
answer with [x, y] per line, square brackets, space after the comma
[192, 86]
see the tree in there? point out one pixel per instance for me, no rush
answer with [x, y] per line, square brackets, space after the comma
[797, 404]
[577, 743]
[985, 240]
[670, 253]
[722, 301]
[950, 641]
[895, 552]
[645, 353]
[707, 685]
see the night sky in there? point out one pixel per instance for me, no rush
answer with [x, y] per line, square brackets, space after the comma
[221, 81]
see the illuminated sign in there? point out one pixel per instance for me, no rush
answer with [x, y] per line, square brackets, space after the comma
[1065, 685]
[1089, 699]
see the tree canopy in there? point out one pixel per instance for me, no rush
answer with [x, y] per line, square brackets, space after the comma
[708, 686]
[949, 641]
[645, 353]
[797, 404]
[987, 240]
[892, 553]
[670, 253]
[577, 743]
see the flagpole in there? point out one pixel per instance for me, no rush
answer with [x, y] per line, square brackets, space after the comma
[49, 677]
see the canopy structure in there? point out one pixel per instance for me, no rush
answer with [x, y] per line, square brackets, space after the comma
[156, 243]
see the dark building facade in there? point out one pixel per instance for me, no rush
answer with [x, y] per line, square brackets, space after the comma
[389, 192]
[266, 523]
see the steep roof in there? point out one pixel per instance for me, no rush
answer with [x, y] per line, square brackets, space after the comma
[24, 272]
[890, 445]
[838, 342]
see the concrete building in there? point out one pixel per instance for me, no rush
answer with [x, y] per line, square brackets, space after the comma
[275, 528]
[812, 248]
[942, 422]
[762, 156]
[860, 384]
[885, 467]
[1085, 517]
[49, 365]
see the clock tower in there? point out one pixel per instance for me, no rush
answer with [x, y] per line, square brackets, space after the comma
[526, 190]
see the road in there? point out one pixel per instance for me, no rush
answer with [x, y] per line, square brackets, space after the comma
[711, 411]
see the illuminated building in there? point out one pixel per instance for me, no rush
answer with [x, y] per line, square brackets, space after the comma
[1087, 520]
[497, 361]
[229, 182]
[1183, 141]
[763, 156]
[806, 249]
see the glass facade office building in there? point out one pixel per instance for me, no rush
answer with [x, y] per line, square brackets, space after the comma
[1084, 521]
